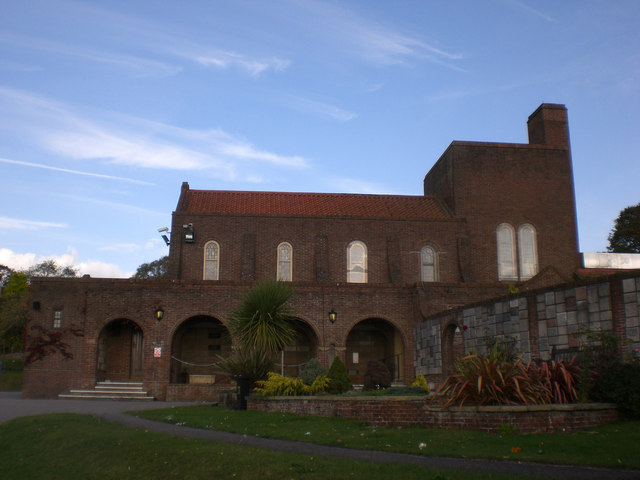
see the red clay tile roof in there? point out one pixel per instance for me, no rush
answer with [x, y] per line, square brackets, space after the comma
[312, 204]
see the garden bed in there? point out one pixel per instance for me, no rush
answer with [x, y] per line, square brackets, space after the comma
[405, 411]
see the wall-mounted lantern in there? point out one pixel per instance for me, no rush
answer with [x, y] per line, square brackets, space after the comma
[333, 316]
[159, 313]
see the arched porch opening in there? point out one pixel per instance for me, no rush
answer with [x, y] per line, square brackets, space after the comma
[120, 348]
[295, 355]
[196, 348]
[452, 348]
[374, 339]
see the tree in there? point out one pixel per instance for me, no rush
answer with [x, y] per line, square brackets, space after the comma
[625, 236]
[155, 269]
[13, 312]
[49, 268]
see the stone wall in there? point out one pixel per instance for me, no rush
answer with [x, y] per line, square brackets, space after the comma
[408, 411]
[535, 323]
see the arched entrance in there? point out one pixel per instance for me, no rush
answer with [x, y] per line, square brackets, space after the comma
[195, 349]
[452, 348]
[296, 355]
[374, 339]
[120, 351]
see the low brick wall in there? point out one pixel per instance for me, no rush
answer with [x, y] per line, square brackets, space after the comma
[407, 411]
[223, 394]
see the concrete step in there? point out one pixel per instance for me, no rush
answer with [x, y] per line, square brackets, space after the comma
[109, 390]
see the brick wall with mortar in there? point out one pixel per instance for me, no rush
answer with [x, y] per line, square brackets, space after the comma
[538, 321]
[407, 411]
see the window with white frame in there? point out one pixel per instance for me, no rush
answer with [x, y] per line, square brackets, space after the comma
[517, 260]
[428, 264]
[357, 262]
[211, 260]
[285, 262]
[506, 238]
[528, 250]
[57, 319]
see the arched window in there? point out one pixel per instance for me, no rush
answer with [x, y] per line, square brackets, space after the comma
[428, 264]
[505, 236]
[528, 251]
[211, 260]
[357, 262]
[285, 262]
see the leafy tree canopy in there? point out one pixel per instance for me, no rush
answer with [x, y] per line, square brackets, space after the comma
[155, 269]
[49, 268]
[625, 236]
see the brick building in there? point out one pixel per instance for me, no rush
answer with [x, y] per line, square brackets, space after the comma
[492, 216]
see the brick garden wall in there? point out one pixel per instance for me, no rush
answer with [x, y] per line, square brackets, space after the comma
[407, 411]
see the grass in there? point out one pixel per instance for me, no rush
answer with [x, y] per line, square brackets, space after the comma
[613, 445]
[69, 447]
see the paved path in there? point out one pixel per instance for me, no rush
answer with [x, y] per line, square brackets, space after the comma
[12, 406]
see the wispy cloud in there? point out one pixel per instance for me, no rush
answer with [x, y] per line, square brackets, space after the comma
[319, 108]
[375, 42]
[353, 185]
[133, 141]
[73, 172]
[21, 224]
[523, 6]
[114, 205]
[138, 66]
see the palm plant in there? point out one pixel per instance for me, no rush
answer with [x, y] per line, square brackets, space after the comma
[262, 321]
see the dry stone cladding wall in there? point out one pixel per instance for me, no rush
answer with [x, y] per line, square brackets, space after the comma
[536, 322]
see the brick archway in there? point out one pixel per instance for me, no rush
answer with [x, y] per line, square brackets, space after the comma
[120, 351]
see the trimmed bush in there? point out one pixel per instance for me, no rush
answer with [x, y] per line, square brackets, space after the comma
[276, 385]
[377, 376]
[312, 370]
[619, 384]
[339, 381]
[421, 382]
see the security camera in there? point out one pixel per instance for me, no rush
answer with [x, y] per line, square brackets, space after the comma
[188, 225]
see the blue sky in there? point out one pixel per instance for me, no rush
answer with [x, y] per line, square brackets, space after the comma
[107, 107]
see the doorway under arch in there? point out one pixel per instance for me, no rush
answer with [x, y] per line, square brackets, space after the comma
[196, 347]
[295, 355]
[120, 351]
[374, 339]
[452, 348]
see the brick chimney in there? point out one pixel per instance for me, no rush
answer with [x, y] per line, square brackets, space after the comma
[549, 125]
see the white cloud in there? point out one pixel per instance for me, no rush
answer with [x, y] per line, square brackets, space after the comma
[137, 142]
[319, 108]
[21, 224]
[375, 42]
[95, 268]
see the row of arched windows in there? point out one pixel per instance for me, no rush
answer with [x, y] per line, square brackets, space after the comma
[357, 271]
[517, 252]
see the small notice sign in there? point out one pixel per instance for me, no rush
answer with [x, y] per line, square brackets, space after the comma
[157, 352]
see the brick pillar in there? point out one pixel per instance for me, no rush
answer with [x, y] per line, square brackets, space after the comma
[532, 319]
[617, 315]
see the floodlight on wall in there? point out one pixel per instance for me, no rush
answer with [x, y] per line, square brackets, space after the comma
[164, 231]
[159, 313]
[333, 316]
[189, 235]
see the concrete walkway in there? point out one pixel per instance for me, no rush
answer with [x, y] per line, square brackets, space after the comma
[12, 406]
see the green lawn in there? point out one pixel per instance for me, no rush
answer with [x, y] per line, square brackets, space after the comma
[68, 446]
[614, 445]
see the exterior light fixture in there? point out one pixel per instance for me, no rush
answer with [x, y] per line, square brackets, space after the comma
[159, 313]
[164, 232]
[333, 316]
[189, 235]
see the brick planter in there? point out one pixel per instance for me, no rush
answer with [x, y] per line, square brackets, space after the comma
[407, 411]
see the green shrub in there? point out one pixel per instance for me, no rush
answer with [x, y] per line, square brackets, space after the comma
[339, 381]
[377, 376]
[312, 370]
[619, 384]
[12, 364]
[277, 384]
[421, 382]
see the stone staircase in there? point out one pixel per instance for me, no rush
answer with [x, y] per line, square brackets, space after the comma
[109, 390]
